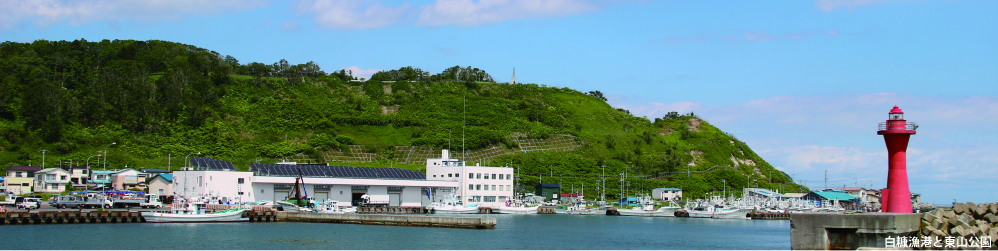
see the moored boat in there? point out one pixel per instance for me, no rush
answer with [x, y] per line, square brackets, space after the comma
[231, 215]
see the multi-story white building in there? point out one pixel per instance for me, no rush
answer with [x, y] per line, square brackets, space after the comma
[483, 185]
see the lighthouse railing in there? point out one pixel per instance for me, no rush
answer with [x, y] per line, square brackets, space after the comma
[884, 126]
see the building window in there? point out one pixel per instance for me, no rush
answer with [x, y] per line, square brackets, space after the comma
[457, 175]
[449, 175]
[508, 188]
[502, 198]
[471, 187]
[475, 199]
[62, 177]
[240, 193]
[493, 176]
[478, 176]
[240, 181]
[500, 187]
[434, 175]
[50, 176]
[508, 176]
[478, 187]
[490, 199]
[493, 187]
[26, 184]
[84, 171]
[18, 174]
[486, 176]
[500, 176]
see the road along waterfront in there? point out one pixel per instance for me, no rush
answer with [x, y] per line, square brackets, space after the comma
[512, 232]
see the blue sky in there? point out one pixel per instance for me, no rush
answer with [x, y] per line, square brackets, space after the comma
[803, 82]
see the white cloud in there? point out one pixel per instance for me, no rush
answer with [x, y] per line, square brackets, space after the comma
[44, 13]
[951, 157]
[830, 5]
[366, 14]
[361, 73]
[352, 14]
[471, 13]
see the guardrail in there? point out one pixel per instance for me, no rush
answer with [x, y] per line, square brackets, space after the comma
[884, 126]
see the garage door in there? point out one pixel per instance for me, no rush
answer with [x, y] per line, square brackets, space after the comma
[280, 195]
[321, 197]
[394, 199]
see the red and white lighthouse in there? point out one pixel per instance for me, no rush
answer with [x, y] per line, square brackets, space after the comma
[896, 198]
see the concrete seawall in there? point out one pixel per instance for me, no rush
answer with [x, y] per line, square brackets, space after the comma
[393, 220]
[821, 231]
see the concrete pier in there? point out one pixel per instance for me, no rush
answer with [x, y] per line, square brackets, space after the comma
[822, 231]
[70, 217]
[393, 220]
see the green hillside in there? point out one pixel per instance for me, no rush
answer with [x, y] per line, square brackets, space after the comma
[160, 100]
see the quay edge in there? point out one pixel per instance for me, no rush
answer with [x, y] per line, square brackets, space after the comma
[394, 220]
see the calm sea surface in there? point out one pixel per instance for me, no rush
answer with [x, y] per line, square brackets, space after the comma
[511, 232]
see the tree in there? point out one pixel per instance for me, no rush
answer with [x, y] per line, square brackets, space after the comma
[598, 95]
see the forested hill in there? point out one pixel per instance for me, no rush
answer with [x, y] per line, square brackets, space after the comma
[160, 100]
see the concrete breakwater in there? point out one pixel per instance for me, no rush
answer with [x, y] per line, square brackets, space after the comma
[964, 226]
[964, 220]
[393, 220]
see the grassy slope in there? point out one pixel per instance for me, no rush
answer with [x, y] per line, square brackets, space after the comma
[269, 120]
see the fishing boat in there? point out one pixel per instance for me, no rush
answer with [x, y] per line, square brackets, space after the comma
[580, 209]
[191, 214]
[454, 209]
[517, 207]
[451, 205]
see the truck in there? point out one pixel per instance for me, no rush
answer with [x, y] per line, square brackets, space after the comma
[151, 201]
[9, 200]
[94, 200]
[66, 201]
[29, 203]
[127, 201]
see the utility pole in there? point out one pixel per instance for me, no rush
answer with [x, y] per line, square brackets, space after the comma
[43, 157]
[603, 196]
[826, 178]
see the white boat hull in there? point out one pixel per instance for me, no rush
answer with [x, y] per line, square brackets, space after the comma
[517, 210]
[666, 212]
[234, 216]
[731, 214]
[466, 210]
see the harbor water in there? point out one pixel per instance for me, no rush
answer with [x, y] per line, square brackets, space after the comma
[511, 232]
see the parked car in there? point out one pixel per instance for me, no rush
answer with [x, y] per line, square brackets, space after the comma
[29, 203]
[66, 201]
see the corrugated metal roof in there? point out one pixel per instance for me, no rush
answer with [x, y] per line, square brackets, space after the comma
[834, 195]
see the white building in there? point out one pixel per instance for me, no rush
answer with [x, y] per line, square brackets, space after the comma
[486, 186]
[51, 180]
[384, 186]
[670, 194]
[226, 185]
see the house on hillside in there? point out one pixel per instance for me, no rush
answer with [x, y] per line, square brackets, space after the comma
[128, 179]
[20, 179]
[161, 184]
[101, 178]
[669, 194]
[78, 176]
[51, 180]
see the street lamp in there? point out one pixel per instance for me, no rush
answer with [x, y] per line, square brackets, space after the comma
[107, 177]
